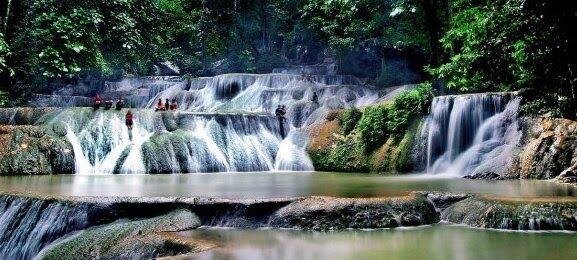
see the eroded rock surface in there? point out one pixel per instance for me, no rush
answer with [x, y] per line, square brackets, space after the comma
[525, 214]
[326, 213]
[32, 150]
[129, 240]
[550, 148]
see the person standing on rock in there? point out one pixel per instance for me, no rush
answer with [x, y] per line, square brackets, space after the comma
[167, 105]
[315, 98]
[279, 113]
[129, 120]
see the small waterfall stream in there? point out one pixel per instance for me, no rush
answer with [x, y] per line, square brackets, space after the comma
[28, 225]
[472, 134]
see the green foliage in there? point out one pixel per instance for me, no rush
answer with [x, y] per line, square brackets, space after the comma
[3, 98]
[348, 120]
[372, 127]
[344, 24]
[507, 45]
[4, 52]
[380, 122]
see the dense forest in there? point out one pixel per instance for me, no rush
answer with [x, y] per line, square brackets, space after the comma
[461, 46]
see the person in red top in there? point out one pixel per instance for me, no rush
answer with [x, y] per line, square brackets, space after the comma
[97, 102]
[129, 120]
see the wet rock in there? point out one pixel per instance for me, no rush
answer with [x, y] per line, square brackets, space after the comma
[443, 200]
[523, 214]
[29, 150]
[568, 176]
[128, 240]
[484, 175]
[550, 147]
[325, 213]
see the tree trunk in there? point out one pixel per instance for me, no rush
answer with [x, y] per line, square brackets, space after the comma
[5, 25]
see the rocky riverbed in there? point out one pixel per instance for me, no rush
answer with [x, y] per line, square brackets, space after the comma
[107, 227]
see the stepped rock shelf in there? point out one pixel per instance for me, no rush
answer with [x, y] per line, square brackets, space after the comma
[149, 225]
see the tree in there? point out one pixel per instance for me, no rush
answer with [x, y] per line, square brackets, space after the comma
[512, 44]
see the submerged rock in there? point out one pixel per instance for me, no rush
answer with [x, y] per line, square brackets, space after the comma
[325, 213]
[524, 214]
[484, 175]
[129, 240]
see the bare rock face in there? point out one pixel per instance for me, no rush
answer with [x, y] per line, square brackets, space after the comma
[550, 148]
[568, 176]
[325, 213]
[31, 150]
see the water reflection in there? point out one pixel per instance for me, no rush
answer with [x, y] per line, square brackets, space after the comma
[432, 242]
[271, 185]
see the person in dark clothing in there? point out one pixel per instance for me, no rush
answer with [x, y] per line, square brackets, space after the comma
[159, 105]
[120, 104]
[107, 104]
[279, 113]
[315, 98]
[129, 120]
[97, 102]
[167, 105]
[173, 104]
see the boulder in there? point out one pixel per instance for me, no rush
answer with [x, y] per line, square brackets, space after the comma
[139, 239]
[327, 213]
[515, 214]
[30, 150]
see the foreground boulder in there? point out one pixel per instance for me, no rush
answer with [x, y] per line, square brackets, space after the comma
[326, 213]
[31, 150]
[520, 214]
[130, 240]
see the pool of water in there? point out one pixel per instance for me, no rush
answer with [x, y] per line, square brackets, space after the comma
[429, 242]
[271, 185]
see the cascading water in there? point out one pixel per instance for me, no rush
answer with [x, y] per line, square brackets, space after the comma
[472, 134]
[27, 225]
[224, 123]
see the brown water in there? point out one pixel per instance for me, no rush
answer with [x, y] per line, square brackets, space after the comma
[271, 185]
[429, 242]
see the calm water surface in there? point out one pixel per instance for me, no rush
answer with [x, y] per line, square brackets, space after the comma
[430, 242]
[271, 185]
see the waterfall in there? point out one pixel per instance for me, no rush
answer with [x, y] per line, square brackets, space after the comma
[27, 225]
[224, 123]
[472, 134]
[250, 93]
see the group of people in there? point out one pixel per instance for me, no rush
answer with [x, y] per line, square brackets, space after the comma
[167, 106]
[120, 103]
[98, 102]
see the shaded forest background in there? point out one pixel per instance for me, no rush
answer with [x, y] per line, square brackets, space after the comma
[462, 46]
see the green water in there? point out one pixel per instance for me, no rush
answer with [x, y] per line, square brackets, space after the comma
[271, 185]
[429, 242]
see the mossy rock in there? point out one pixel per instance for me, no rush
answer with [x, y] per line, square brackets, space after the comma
[139, 239]
[523, 214]
[30, 150]
[325, 213]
